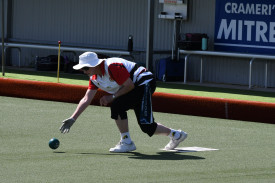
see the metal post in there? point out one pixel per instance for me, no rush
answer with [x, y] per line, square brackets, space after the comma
[185, 68]
[150, 35]
[266, 74]
[173, 40]
[3, 57]
[201, 69]
[178, 54]
[250, 73]
[177, 32]
[19, 55]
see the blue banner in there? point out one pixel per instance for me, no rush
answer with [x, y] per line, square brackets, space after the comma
[246, 26]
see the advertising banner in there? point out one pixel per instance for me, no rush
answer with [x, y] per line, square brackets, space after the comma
[246, 26]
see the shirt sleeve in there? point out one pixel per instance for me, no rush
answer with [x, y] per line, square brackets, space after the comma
[92, 86]
[118, 73]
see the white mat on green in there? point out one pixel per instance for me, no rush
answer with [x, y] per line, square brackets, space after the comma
[191, 149]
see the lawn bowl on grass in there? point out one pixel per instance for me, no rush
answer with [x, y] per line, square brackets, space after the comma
[54, 143]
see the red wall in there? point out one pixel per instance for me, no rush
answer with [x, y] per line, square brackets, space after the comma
[162, 102]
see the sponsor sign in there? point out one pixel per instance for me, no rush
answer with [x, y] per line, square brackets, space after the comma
[246, 26]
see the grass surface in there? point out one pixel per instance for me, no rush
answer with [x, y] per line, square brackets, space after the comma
[246, 149]
[216, 92]
[79, 79]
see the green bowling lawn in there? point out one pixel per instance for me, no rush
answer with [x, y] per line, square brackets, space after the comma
[245, 155]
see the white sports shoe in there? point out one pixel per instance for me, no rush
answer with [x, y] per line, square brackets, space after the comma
[122, 147]
[174, 143]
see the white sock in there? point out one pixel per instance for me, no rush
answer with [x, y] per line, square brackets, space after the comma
[125, 137]
[174, 134]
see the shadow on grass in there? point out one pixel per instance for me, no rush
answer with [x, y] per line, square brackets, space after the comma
[158, 156]
[164, 156]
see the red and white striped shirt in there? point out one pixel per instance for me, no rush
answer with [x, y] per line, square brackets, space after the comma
[115, 71]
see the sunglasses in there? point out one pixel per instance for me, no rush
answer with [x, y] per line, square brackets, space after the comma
[85, 68]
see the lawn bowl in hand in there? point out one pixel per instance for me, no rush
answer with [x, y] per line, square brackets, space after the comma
[54, 143]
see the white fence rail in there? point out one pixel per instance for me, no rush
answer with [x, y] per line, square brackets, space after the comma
[252, 58]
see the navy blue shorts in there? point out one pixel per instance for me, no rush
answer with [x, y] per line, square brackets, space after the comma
[140, 100]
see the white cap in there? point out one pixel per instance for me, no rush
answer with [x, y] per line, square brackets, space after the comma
[88, 59]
